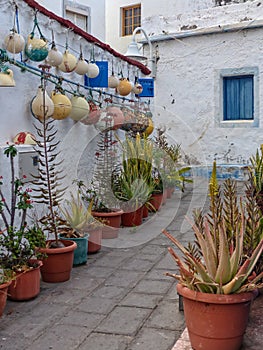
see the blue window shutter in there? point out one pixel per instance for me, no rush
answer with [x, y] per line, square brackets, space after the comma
[238, 97]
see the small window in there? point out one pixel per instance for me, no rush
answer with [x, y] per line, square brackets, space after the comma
[238, 98]
[79, 18]
[131, 19]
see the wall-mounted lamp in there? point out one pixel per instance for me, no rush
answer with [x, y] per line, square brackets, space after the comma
[134, 52]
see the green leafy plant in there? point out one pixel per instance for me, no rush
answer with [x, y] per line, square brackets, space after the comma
[18, 240]
[217, 261]
[255, 171]
[78, 218]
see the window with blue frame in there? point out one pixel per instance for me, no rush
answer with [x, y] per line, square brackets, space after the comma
[238, 98]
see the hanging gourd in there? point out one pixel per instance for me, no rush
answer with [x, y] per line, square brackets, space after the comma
[42, 106]
[69, 61]
[93, 69]
[94, 114]
[62, 105]
[117, 116]
[113, 81]
[137, 87]
[124, 87]
[36, 49]
[80, 108]
[54, 57]
[14, 42]
[24, 138]
[6, 77]
[82, 66]
[148, 131]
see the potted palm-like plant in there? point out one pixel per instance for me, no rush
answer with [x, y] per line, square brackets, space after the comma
[216, 279]
[77, 222]
[133, 184]
[18, 240]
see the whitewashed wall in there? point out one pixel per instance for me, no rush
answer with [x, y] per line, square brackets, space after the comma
[187, 86]
[97, 13]
[15, 114]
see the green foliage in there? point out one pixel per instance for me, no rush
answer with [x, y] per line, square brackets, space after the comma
[228, 248]
[19, 247]
[77, 217]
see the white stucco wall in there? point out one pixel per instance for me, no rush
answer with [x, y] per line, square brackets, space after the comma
[15, 114]
[97, 11]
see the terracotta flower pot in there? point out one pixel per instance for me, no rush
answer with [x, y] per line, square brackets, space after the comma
[133, 218]
[164, 196]
[169, 192]
[215, 321]
[94, 243]
[111, 221]
[156, 201]
[3, 296]
[145, 211]
[58, 264]
[26, 286]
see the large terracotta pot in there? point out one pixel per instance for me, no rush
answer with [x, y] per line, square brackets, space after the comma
[3, 296]
[26, 286]
[156, 201]
[215, 321]
[111, 221]
[58, 264]
[132, 218]
[94, 243]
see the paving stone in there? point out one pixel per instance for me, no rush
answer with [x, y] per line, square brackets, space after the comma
[111, 292]
[124, 278]
[167, 263]
[80, 318]
[141, 300]
[136, 264]
[96, 305]
[166, 316]
[110, 261]
[99, 272]
[157, 274]
[124, 320]
[99, 341]
[59, 337]
[152, 338]
[153, 287]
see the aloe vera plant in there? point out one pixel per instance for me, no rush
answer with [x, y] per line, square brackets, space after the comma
[217, 263]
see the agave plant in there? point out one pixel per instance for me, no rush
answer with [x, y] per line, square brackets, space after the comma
[77, 216]
[217, 263]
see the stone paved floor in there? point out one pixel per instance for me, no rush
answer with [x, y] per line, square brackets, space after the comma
[119, 300]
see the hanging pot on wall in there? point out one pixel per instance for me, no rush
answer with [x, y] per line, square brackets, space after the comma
[137, 88]
[62, 105]
[69, 62]
[7, 78]
[80, 108]
[39, 108]
[14, 42]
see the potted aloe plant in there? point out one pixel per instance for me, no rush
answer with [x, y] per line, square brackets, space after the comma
[217, 278]
[19, 240]
[77, 222]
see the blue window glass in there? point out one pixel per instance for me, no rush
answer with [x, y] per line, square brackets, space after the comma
[238, 95]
